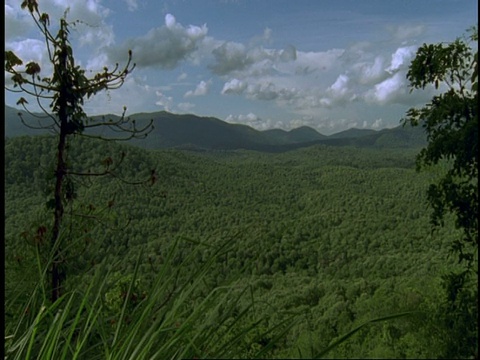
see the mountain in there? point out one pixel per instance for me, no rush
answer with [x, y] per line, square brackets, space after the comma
[298, 135]
[14, 126]
[352, 133]
[208, 133]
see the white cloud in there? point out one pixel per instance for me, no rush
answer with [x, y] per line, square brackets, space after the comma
[164, 101]
[288, 54]
[340, 87]
[401, 58]
[368, 73]
[234, 86]
[162, 47]
[250, 117]
[254, 121]
[99, 37]
[17, 22]
[91, 27]
[321, 61]
[28, 50]
[377, 124]
[170, 21]
[201, 89]
[263, 91]
[389, 90]
[230, 57]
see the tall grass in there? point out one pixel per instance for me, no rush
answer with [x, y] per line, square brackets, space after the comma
[171, 322]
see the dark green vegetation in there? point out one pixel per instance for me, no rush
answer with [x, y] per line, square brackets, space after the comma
[450, 120]
[321, 239]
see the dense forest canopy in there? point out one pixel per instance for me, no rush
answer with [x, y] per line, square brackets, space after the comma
[335, 234]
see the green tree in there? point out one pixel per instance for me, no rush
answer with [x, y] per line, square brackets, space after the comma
[450, 120]
[65, 90]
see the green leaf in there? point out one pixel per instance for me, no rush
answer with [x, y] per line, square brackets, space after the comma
[32, 68]
[11, 60]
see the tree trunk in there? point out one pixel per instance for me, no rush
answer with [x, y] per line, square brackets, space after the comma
[60, 172]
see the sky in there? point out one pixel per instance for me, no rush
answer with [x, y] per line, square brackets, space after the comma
[327, 64]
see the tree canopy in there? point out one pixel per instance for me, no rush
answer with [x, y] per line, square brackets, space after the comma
[451, 122]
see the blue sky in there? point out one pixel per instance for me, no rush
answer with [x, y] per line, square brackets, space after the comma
[327, 64]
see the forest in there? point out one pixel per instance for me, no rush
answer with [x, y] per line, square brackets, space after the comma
[310, 244]
[297, 247]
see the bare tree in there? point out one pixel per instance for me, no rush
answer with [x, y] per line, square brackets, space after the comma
[64, 92]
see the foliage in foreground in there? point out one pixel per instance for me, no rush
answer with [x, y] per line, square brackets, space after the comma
[450, 120]
[121, 320]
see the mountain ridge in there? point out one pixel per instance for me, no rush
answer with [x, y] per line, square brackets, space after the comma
[189, 131]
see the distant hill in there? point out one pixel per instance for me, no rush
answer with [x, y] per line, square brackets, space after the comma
[298, 135]
[352, 133]
[208, 133]
[14, 126]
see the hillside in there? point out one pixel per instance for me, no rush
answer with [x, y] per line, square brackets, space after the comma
[333, 236]
[208, 133]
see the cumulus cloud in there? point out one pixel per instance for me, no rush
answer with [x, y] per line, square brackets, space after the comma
[164, 101]
[254, 121]
[262, 90]
[370, 73]
[234, 86]
[29, 49]
[230, 57]
[389, 90]
[401, 58]
[17, 22]
[243, 62]
[310, 83]
[163, 47]
[288, 54]
[91, 29]
[250, 117]
[170, 21]
[200, 90]
[340, 87]
[236, 59]
[377, 124]
[307, 62]
[99, 37]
